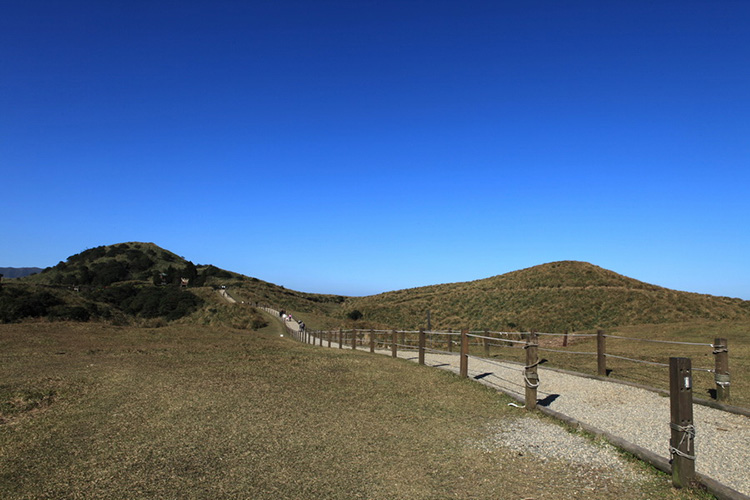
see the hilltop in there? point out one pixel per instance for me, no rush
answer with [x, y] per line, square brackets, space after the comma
[557, 296]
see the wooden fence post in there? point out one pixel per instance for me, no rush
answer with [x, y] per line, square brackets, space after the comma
[341, 338]
[372, 340]
[601, 359]
[394, 347]
[565, 339]
[721, 369]
[486, 344]
[464, 364]
[328, 337]
[450, 341]
[530, 375]
[681, 445]
[421, 346]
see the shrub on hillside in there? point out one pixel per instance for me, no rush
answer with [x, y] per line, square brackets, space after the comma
[17, 304]
[150, 302]
[69, 313]
[355, 315]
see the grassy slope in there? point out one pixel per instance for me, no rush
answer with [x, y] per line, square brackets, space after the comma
[96, 411]
[552, 297]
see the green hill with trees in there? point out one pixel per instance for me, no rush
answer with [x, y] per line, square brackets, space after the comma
[137, 281]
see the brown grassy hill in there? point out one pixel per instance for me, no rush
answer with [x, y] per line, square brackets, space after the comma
[558, 296]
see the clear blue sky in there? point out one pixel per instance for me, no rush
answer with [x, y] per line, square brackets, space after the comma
[356, 147]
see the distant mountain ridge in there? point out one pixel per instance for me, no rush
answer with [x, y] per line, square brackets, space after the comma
[19, 272]
[553, 297]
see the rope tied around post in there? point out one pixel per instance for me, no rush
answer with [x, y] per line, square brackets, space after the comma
[688, 431]
[722, 379]
[529, 383]
[718, 349]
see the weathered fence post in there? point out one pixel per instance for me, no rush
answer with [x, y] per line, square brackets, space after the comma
[681, 445]
[486, 344]
[328, 337]
[354, 339]
[372, 340]
[530, 375]
[450, 341]
[601, 359]
[464, 364]
[721, 369]
[341, 338]
[394, 348]
[421, 346]
[565, 339]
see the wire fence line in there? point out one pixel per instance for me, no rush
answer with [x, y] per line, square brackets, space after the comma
[676, 342]
[639, 360]
[486, 341]
[566, 351]
[470, 345]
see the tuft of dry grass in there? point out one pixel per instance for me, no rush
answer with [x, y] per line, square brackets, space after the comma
[213, 412]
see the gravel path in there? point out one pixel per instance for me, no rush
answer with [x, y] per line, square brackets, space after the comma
[636, 415]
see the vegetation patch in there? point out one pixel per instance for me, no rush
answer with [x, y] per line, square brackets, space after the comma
[18, 303]
[19, 399]
[149, 301]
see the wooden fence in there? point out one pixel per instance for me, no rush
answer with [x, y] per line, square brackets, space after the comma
[488, 345]
[485, 345]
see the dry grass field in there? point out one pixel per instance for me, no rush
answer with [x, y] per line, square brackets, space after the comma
[90, 410]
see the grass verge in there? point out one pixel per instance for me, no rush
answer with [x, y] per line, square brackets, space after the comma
[212, 412]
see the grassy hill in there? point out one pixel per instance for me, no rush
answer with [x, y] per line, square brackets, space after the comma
[557, 296]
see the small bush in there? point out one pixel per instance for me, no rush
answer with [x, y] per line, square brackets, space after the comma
[69, 313]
